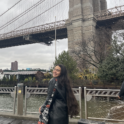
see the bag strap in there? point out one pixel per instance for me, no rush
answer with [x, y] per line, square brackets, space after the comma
[54, 91]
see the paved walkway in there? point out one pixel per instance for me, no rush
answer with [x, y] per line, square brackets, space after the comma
[24, 120]
[31, 120]
[4, 120]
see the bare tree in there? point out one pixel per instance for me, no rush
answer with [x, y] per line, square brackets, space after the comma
[93, 51]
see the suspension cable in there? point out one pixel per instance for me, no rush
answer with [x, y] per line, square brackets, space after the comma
[39, 15]
[22, 14]
[10, 8]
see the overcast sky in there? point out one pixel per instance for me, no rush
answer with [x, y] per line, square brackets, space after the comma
[29, 56]
[35, 55]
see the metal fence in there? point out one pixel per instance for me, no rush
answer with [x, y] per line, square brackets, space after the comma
[12, 92]
[42, 91]
[102, 104]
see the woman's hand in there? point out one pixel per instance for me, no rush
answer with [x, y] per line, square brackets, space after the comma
[40, 109]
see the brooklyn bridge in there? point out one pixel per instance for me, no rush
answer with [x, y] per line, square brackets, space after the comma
[28, 22]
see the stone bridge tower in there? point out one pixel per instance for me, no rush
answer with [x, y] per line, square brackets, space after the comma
[81, 23]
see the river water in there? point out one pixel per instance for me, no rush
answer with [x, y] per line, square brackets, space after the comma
[96, 108]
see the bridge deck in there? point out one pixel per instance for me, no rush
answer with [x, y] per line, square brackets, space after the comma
[40, 34]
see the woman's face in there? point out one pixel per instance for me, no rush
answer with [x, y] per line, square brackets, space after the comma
[56, 71]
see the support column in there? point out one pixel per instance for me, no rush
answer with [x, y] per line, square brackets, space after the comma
[74, 24]
[20, 99]
[81, 23]
[96, 5]
[103, 4]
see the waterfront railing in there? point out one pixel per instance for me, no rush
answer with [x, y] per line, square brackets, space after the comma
[12, 92]
[98, 103]
[38, 91]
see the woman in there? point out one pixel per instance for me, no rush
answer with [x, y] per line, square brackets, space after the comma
[64, 102]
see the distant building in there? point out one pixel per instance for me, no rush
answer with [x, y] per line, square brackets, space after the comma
[22, 74]
[28, 68]
[14, 66]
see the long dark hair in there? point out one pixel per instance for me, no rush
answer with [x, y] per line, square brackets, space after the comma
[72, 104]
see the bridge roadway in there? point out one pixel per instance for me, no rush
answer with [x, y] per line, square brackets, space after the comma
[46, 33]
[39, 34]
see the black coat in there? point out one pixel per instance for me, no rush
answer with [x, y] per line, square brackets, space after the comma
[58, 113]
[121, 93]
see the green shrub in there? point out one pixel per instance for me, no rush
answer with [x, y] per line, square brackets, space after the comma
[30, 79]
[14, 78]
[26, 79]
[34, 79]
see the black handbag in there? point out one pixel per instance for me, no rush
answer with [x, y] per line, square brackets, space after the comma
[44, 116]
